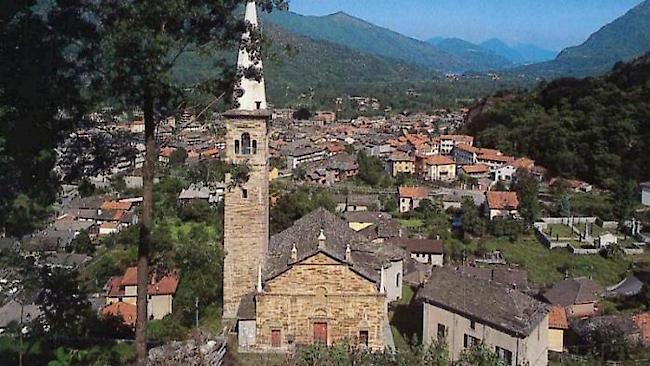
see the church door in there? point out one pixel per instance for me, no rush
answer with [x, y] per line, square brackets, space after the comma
[320, 333]
[275, 338]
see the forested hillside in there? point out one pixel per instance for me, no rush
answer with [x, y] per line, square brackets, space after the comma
[596, 129]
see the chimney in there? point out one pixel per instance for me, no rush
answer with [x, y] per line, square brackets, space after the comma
[348, 253]
[294, 253]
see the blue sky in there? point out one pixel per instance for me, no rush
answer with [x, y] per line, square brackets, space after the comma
[554, 24]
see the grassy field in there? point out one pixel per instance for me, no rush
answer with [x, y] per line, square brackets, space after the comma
[547, 266]
[412, 223]
[562, 230]
[406, 319]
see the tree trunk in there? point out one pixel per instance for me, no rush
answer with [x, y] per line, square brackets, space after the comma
[146, 224]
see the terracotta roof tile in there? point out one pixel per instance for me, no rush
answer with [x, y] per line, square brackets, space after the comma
[502, 200]
[124, 310]
[643, 322]
[439, 160]
[413, 192]
[557, 318]
[115, 205]
[476, 169]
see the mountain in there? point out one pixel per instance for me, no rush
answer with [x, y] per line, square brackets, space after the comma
[330, 69]
[621, 40]
[595, 128]
[520, 53]
[346, 30]
[479, 58]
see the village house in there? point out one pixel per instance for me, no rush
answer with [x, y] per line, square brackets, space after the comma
[645, 193]
[124, 310]
[428, 251]
[477, 171]
[507, 172]
[501, 204]
[447, 142]
[165, 153]
[298, 156]
[400, 163]
[441, 168]
[465, 311]
[357, 202]
[558, 324]
[161, 291]
[579, 296]
[410, 197]
[325, 116]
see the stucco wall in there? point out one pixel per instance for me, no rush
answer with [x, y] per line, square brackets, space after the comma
[532, 349]
[556, 340]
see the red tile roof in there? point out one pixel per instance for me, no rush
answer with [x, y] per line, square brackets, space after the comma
[164, 286]
[476, 169]
[502, 200]
[413, 192]
[115, 205]
[557, 318]
[124, 310]
[439, 160]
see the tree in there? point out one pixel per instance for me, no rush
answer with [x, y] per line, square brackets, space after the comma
[140, 44]
[371, 170]
[302, 114]
[64, 306]
[624, 200]
[472, 222]
[40, 100]
[480, 355]
[178, 157]
[86, 188]
[527, 189]
[82, 243]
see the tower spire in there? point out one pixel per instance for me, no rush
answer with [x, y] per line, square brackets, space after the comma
[252, 92]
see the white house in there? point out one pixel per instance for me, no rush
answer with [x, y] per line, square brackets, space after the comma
[645, 193]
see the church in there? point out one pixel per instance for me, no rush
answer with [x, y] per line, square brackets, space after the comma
[316, 282]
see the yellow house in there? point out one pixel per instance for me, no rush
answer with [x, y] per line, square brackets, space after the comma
[160, 291]
[400, 163]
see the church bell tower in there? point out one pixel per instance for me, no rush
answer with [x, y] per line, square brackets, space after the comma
[246, 210]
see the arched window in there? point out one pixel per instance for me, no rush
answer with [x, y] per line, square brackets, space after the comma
[236, 146]
[397, 280]
[254, 147]
[245, 143]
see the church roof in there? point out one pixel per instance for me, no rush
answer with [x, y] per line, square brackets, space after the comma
[366, 258]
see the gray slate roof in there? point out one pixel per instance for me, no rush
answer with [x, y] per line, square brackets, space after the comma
[579, 290]
[10, 312]
[366, 258]
[500, 307]
[630, 286]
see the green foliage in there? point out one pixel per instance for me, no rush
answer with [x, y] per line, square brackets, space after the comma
[82, 244]
[480, 355]
[64, 305]
[509, 228]
[295, 204]
[200, 211]
[592, 129]
[166, 329]
[178, 157]
[86, 189]
[371, 171]
[473, 223]
[39, 102]
[527, 188]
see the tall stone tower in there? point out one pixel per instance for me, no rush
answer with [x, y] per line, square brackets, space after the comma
[246, 216]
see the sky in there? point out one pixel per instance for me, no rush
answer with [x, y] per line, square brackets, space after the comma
[553, 24]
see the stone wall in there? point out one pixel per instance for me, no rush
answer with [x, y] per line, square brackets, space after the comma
[246, 211]
[317, 290]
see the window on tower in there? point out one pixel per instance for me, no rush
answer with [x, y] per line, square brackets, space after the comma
[254, 147]
[245, 143]
[236, 146]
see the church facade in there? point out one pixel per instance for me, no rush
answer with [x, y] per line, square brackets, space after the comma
[316, 282]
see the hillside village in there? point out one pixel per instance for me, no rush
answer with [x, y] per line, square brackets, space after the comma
[283, 231]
